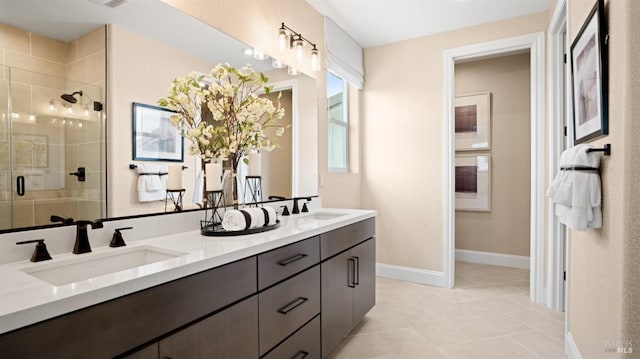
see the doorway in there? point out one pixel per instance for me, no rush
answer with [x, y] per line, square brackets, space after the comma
[497, 234]
[534, 43]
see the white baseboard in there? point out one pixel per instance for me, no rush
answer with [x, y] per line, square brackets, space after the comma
[408, 274]
[570, 348]
[496, 259]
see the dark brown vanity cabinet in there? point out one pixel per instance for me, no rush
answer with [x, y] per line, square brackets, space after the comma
[296, 301]
[348, 281]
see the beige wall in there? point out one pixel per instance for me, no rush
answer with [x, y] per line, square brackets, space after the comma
[600, 308]
[140, 70]
[505, 229]
[402, 138]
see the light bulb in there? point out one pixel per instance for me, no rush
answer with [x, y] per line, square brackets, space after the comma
[248, 51]
[277, 64]
[32, 117]
[315, 59]
[282, 38]
[259, 55]
[293, 71]
[299, 46]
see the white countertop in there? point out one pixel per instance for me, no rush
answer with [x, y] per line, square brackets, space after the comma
[25, 299]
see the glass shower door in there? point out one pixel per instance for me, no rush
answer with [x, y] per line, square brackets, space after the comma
[54, 149]
[6, 207]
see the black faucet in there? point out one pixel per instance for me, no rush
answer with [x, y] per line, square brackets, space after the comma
[82, 238]
[64, 220]
[296, 209]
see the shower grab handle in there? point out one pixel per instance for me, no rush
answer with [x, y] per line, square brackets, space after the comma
[81, 174]
[20, 185]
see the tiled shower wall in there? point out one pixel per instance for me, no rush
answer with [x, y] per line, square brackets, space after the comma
[41, 70]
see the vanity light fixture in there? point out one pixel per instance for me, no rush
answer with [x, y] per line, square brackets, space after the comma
[289, 38]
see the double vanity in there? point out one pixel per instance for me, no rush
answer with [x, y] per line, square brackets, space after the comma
[293, 292]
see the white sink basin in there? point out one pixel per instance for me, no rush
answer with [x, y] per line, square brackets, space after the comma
[92, 265]
[322, 216]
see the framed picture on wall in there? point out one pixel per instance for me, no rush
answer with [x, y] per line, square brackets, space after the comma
[473, 122]
[154, 137]
[589, 77]
[473, 182]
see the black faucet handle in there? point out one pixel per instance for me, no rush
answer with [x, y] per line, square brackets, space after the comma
[40, 253]
[285, 211]
[117, 240]
[305, 208]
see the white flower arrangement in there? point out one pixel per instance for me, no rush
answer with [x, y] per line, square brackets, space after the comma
[222, 113]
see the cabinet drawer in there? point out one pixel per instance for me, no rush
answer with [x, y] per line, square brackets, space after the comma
[305, 343]
[284, 262]
[287, 306]
[336, 241]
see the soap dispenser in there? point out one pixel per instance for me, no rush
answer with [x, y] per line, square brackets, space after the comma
[117, 240]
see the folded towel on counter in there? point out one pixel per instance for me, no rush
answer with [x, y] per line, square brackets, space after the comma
[152, 182]
[577, 193]
[248, 218]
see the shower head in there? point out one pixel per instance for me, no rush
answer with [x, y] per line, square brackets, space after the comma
[70, 97]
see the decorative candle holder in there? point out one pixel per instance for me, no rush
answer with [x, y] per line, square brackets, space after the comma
[175, 195]
[215, 201]
[253, 186]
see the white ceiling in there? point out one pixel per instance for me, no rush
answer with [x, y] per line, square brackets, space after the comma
[68, 19]
[377, 22]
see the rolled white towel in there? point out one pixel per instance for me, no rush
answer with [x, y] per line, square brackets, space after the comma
[257, 217]
[235, 220]
[270, 214]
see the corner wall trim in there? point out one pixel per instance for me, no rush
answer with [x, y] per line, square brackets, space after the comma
[570, 348]
[409, 274]
[496, 259]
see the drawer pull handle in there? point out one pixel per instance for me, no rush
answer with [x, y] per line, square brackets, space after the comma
[351, 273]
[293, 305]
[356, 269]
[290, 260]
[301, 355]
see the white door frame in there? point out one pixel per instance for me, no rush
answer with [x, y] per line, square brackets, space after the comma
[555, 231]
[535, 43]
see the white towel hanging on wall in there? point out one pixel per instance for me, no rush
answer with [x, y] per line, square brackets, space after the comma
[576, 189]
[152, 186]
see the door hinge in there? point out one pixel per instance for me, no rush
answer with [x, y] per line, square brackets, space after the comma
[564, 57]
[565, 131]
[565, 276]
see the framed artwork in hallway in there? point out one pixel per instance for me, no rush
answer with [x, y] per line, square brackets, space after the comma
[473, 122]
[589, 77]
[473, 182]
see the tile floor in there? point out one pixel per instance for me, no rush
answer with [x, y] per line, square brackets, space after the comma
[487, 316]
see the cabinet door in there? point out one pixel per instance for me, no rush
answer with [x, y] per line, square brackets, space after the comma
[365, 278]
[231, 333]
[337, 300]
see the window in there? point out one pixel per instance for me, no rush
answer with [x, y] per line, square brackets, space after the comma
[338, 131]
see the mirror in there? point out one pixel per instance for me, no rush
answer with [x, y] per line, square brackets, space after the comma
[142, 54]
